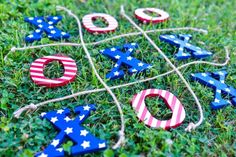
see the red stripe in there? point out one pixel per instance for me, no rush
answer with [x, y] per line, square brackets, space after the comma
[141, 99]
[143, 113]
[179, 114]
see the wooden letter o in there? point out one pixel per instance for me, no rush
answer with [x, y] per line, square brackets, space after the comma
[145, 18]
[178, 112]
[37, 67]
[90, 27]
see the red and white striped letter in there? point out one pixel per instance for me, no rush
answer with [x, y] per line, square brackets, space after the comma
[178, 112]
[145, 18]
[37, 67]
[90, 27]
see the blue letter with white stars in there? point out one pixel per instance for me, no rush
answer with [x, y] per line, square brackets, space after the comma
[216, 81]
[48, 27]
[181, 41]
[84, 141]
[116, 54]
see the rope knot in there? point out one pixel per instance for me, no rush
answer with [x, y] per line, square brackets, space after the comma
[13, 49]
[191, 126]
[30, 107]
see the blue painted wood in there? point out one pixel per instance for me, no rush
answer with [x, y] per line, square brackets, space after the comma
[182, 42]
[48, 27]
[84, 141]
[116, 54]
[216, 81]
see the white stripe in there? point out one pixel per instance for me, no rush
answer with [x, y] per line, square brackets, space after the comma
[135, 101]
[36, 69]
[69, 73]
[147, 117]
[65, 78]
[46, 80]
[175, 113]
[154, 122]
[40, 60]
[163, 124]
[143, 105]
[70, 68]
[36, 74]
[36, 64]
[59, 58]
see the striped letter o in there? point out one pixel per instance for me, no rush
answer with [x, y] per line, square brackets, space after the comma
[178, 112]
[145, 18]
[90, 27]
[37, 67]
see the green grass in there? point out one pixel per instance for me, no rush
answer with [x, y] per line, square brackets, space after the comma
[29, 134]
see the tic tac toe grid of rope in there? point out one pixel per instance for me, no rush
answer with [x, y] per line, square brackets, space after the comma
[107, 88]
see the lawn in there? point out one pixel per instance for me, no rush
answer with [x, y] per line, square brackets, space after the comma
[30, 134]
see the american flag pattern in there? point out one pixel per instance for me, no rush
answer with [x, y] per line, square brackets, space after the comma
[178, 112]
[133, 63]
[90, 27]
[145, 18]
[71, 129]
[49, 28]
[216, 81]
[37, 67]
[182, 42]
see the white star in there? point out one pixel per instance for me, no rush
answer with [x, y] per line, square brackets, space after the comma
[172, 36]
[85, 144]
[221, 73]
[40, 26]
[188, 45]
[55, 143]
[68, 130]
[83, 132]
[60, 111]
[204, 74]
[130, 50]
[43, 155]
[140, 64]
[86, 108]
[199, 52]
[101, 51]
[30, 36]
[184, 54]
[218, 91]
[113, 49]
[55, 18]
[53, 32]
[43, 114]
[30, 18]
[222, 81]
[134, 70]
[37, 30]
[116, 73]
[116, 65]
[117, 57]
[211, 82]
[101, 145]
[149, 67]
[54, 119]
[39, 21]
[133, 44]
[227, 89]
[60, 149]
[129, 58]
[67, 119]
[50, 27]
[63, 33]
[50, 22]
[81, 117]
[217, 100]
